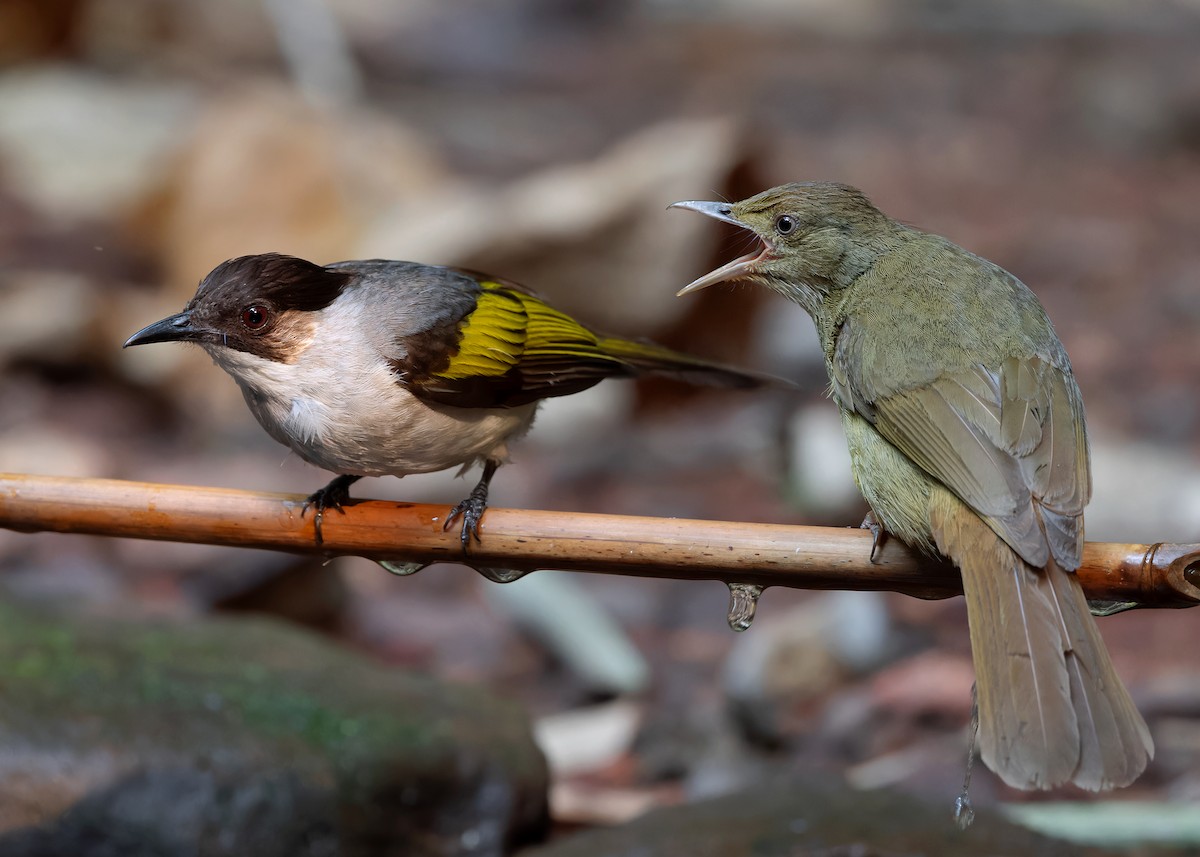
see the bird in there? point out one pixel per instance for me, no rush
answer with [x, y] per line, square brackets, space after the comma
[967, 438]
[380, 367]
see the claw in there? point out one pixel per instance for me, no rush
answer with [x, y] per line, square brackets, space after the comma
[472, 508]
[333, 496]
[879, 534]
[471, 511]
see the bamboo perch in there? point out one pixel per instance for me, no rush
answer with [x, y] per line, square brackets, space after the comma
[1159, 575]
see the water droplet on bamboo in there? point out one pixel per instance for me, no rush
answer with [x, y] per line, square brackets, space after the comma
[500, 575]
[401, 568]
[743, 601]
[1110, 608]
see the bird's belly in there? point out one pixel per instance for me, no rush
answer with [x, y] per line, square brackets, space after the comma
[382, 432]
[895, 488]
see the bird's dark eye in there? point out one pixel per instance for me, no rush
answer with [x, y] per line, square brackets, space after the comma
[785, 224]
[254, 317]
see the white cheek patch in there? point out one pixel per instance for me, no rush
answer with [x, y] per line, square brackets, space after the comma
[307, 420]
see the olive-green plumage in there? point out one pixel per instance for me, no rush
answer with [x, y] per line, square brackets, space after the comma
[967, 438]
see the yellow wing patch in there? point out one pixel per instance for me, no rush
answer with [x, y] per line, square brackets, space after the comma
[513, 349]
[509, 329]
[492, 338]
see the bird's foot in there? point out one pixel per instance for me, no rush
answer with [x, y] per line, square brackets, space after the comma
[879, 534]
[471, 511]
[333, 496]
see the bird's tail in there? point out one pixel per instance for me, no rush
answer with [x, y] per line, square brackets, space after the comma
[648, 358]
[1051, 708]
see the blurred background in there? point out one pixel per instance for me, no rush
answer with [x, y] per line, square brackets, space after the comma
[142, 142]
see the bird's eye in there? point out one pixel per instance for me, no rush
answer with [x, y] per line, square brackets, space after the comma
[785, 224]
[254, 317]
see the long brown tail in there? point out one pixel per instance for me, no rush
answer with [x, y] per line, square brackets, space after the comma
[1051, 708]
[648, 357]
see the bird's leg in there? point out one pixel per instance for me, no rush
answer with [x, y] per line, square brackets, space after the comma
[472, 508]
[332, 496]
[879, 534]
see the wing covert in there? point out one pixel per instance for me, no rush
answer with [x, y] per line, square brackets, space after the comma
[1009, 440]
[513, 349]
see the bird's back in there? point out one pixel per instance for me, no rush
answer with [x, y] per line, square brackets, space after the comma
[930, 307]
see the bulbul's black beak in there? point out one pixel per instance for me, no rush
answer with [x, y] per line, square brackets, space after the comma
[175, 328]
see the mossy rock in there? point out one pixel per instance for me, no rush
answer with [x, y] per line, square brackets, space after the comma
[188, 738]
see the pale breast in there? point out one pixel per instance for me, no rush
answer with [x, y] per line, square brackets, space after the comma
[352, 415]
[397, 434]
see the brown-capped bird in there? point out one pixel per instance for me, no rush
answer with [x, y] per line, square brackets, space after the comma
[378, 367]
[967, 438]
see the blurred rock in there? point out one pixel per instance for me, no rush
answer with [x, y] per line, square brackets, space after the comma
[1118, 824]
[809, 817]
[932, 684]
[182, 811]
[593, 237]
[77, 144]
[554, 608]
[1171, 703]
[857, 18]
[788, 661]
[264, 171]
[46, 316]
[217, 737]
[586, 739]
[788, 341]
[123, 32]
[46, 569]
[1122, 105]
[52, 451]
[1143, 493]
[583, 420]
[820, 481]
[870, 19]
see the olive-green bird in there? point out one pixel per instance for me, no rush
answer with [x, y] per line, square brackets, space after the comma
[375, 368]
[967, 438]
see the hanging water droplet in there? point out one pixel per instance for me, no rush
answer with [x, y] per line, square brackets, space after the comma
[964, 813]
[400, 567]
[743, 601]
[1110, 608]
[500, 575]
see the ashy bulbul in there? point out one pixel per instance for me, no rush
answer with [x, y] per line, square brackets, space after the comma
[376, 368]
